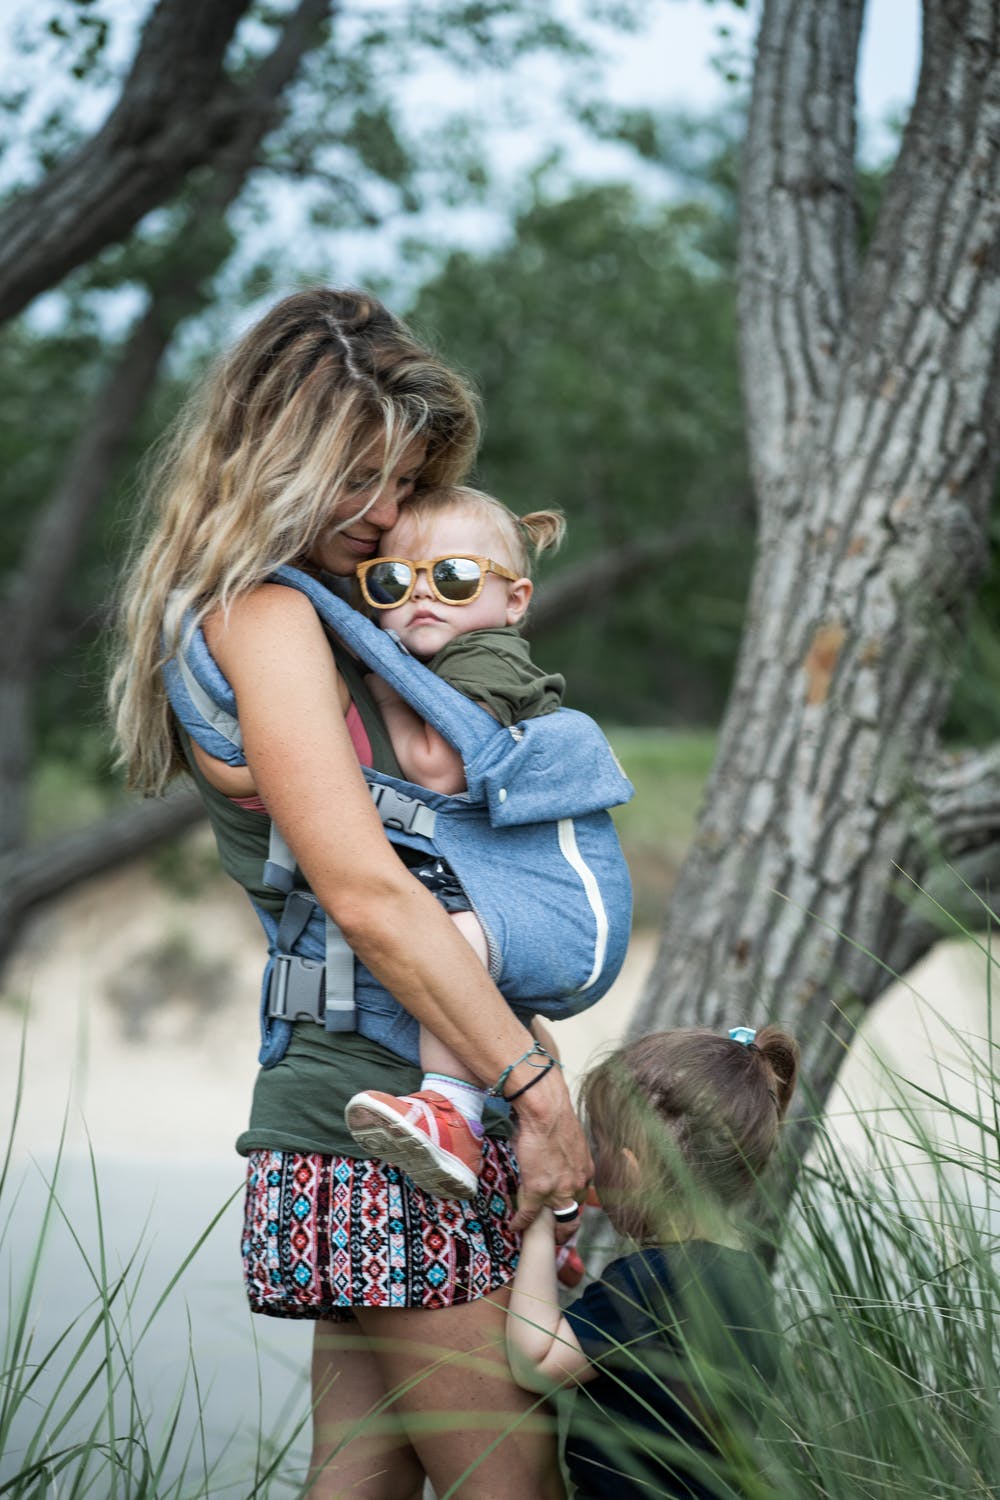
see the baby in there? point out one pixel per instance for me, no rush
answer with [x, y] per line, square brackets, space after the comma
[452, 582]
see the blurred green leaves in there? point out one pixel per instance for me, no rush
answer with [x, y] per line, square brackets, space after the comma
[602, 336]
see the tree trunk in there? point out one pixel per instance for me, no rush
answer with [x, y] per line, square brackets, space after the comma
[872, 404]
[53, 546]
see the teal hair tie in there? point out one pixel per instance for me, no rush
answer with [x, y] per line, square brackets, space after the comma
[743, 1034]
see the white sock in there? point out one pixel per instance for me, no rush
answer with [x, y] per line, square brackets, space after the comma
[468, 1098]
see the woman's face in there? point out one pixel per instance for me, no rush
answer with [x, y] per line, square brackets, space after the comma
[339, 551]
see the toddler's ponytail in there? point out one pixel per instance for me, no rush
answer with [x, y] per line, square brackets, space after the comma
[543, 530]
[779, 1054]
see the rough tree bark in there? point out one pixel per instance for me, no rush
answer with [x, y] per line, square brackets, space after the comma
[873, 417]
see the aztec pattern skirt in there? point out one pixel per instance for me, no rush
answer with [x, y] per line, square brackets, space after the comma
[325, 1234]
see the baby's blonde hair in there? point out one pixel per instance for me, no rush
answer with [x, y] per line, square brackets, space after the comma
[323, 386]
[524, 538]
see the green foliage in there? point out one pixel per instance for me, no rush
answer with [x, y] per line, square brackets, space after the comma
[72, 785]
[74, 1419]
[974, 717]
[602, 336]
[668, 769]
[47, 380]
[892, 1294]
[86, 31]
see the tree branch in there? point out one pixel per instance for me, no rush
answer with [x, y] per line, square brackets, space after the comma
[43, 871]
[54, 542]
[963, 799]
[175, 111]
[798, 230]
[51, 552]
[949, 901]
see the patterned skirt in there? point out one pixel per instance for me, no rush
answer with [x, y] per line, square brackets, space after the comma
[324, 1234]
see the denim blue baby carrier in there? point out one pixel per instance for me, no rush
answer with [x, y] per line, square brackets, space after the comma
[531, 842]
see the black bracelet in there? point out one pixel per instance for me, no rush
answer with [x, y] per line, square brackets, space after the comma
[531, 1082]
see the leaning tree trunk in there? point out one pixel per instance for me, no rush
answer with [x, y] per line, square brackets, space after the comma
[872, 400]
[178, 108]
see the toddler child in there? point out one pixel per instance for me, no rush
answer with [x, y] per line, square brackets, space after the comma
[669, 1351]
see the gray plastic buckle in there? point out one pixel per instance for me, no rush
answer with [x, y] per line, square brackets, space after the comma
[405, 813]
[297, 989]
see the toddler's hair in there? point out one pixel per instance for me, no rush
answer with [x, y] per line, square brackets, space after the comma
[700, 1114]
[523, 537]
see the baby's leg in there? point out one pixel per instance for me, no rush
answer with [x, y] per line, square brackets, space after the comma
[435, 1057]
[471, 929]
[436, 1134]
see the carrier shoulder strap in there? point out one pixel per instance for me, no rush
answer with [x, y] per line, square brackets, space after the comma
[548, 768]
[461, 722]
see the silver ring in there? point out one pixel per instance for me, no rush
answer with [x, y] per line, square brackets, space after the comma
[566, 1215]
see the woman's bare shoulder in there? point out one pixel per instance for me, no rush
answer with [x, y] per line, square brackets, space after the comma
[262, 613]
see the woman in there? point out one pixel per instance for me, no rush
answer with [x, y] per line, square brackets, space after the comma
[302, 447]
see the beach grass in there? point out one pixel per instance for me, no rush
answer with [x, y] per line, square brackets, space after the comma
[77, 1419]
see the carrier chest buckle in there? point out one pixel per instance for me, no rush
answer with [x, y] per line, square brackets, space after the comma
[408, 814]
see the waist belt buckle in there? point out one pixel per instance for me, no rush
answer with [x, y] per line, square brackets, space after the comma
[297, 990]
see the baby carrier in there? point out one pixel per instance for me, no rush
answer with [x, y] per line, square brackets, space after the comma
[531, 841]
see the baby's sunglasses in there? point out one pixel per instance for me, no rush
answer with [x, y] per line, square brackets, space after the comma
[387, 582]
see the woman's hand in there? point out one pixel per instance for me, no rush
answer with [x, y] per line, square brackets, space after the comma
[551, 1152]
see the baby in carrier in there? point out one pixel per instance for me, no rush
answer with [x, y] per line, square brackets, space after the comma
[522, 848]
[452, 582]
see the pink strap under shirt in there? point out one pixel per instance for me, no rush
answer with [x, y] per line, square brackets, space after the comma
[362, 749]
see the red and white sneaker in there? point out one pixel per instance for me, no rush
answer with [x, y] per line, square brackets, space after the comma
[424, 1134]
[570, 1269]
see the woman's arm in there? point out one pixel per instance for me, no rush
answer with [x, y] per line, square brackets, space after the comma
[273, 651]
[425, 757]
[542, 1348]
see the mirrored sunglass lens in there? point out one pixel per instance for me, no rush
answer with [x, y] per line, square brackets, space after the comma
[387, 582]
[456, 577]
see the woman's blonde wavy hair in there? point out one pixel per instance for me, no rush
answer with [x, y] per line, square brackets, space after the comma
[253, 468]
